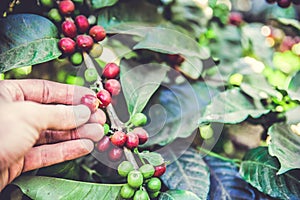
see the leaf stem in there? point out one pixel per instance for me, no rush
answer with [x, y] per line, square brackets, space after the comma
[129, 156]
[210, 153]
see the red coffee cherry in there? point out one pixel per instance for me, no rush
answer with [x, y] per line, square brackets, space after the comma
[67, 45]
[235, 18]
[104, 98]
[90, 101]
[69, 29]
[142, 134]
[66, 7]
[159, 170]
[85, 42]
[118, 138]
[98, 33]
[115, 154]
[104, 144]
[284, 3]
[111, 70]
[132, 140]
[82, 23]
[113, 86]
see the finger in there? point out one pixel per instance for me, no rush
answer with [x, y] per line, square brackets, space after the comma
[42, 91]
[56, 117]
[98, 117]
[47, 155]
[88, 131]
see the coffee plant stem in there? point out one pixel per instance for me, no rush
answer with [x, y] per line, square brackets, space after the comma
[210, 153]
[129, 156]
[90, 171]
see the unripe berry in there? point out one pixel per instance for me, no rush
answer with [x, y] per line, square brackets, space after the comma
[82, 23]
[47, 3]
[142, 134]
[69, 29]
[85, 42]
[118, 138]
[141, 195]
[138, 119]
[111, 70]
[115, 154]
[113, 86]
[132, 140]
[126, 192]
[96, 50]
[147, 170]
[54, 15]
[124, 168]
[159, 170]
[90, 101]
[104, 97]
[104, 144]
[76, 58]
[154, 185]
[98, 33]
[66, 7]
[283, 3]
[67, 45]
[135, 178]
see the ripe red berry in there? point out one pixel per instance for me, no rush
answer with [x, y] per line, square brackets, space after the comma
[142, 134]
[118, 138]
[66, 7]
[132, 140]
[82, 23]
[113, 86]
[104, 144]
[115, 154]
[235, 18]
[98, 33]
[159, 170]
[67, 45]
[111, 70]
[85, 42]
[104, 98]
[284, 3]
[90, 101]
[69, 29]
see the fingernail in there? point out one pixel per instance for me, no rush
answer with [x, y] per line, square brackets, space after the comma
[88, 145]
[82, 113]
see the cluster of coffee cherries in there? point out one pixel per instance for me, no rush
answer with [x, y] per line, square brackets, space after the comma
[141, 183]
[284, 3]
[78, 35]
[114, 141]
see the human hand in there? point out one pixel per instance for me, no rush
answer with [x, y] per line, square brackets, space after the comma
[40, 127]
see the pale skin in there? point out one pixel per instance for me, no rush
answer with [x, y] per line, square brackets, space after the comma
[42, 123]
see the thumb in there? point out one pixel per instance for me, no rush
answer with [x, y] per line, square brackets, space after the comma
[59, 117]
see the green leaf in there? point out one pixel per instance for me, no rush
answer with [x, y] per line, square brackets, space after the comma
[226, 182]
[292, 116]
[139, 83]
[178, 195]
[285, 145]
[231, 107]
[26, 39]
[189, 172]
[153, 158]
[103, 3]
[68, 170]
[169, 41]
[47, 188]
[260, 170]
[289, 22]
[118, 18]
[175, 109]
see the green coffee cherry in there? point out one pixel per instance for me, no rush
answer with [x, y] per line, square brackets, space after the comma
[127, 192]
[96, 50]
[90, 75]
[106, 129]
[76, 58]
[154, 185]
[139, 119]
[54, 15]
[141, 195]
[135, 178]
[147, 170]
[124, 168]
[47, 3]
